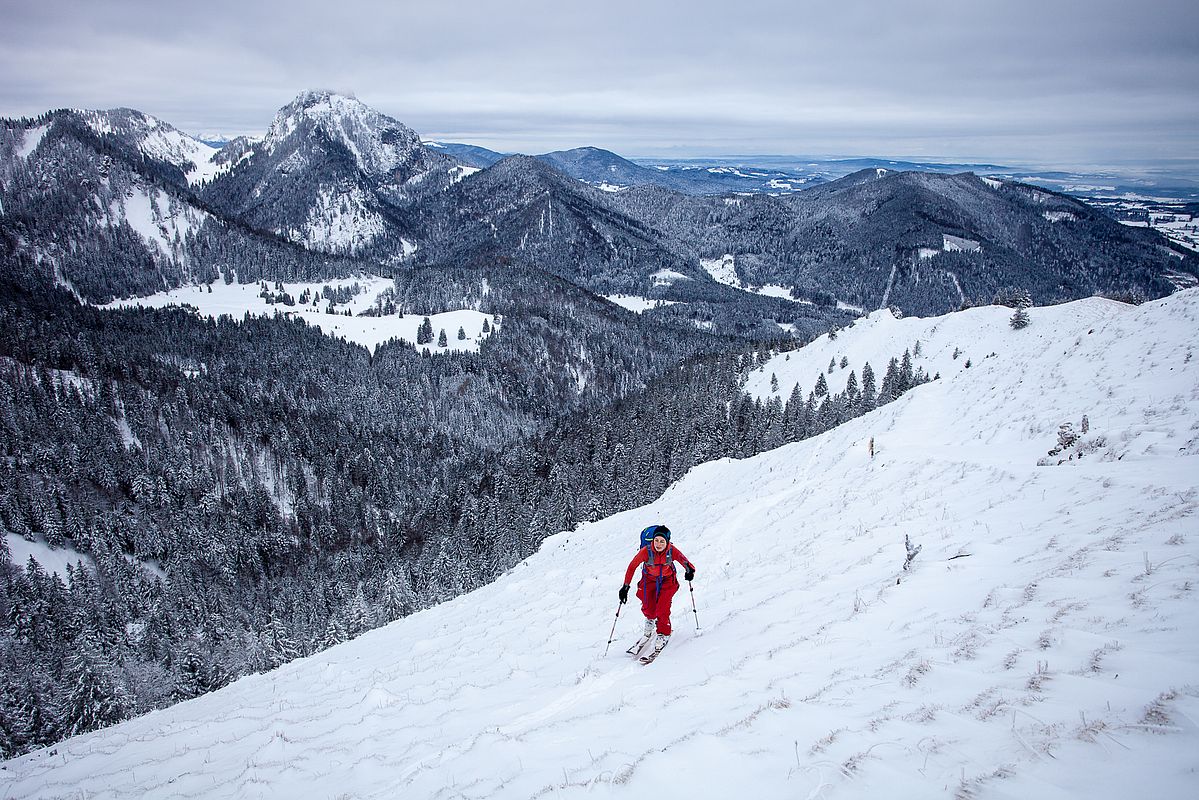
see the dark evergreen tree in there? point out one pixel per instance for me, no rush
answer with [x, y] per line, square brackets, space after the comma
[868, 395]
[424, 334]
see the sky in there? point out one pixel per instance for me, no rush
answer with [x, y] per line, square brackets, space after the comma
[1038, 82]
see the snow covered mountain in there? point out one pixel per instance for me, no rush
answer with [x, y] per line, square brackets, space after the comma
[333, 175]
[608, 171]
[105, 204]
[922, 242]
[1042, 643]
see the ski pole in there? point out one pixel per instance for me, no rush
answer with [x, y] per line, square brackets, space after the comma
[691, 588]
[612, 633]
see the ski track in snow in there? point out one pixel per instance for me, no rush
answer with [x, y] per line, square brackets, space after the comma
[1056, 659]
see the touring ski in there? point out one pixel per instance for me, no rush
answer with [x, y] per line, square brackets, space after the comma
[635, 650]
[649, 657]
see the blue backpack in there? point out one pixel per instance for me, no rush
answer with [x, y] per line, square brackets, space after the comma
[647, 541]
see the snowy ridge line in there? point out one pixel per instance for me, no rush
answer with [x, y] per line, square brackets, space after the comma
[1055, 661]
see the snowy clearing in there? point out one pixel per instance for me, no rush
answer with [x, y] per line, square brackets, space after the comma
[1042, 644]
[666, 277]
[636, 303]
[31, 138]
[724, 270]
[950, 244]
[239, 299]
[54, 560]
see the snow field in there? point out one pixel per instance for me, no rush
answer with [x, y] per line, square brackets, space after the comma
[636, 303]
[723, 270]
[238, 299]
[1042, 645]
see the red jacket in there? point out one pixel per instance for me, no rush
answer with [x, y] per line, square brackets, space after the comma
[661, 565]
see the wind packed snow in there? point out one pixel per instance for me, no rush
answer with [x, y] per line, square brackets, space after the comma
[1042, 645]
[239, 299]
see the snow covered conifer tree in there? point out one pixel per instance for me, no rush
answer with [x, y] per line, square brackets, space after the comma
[279, 648]
[95, 698]
[424, 333]
[905, 377]
[853, 399]
[868, 397]
[334, 634]
[821, 386]
[192, 675]
[1019, 319]
[442, 340]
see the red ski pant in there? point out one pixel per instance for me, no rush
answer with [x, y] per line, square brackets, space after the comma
[656, 604]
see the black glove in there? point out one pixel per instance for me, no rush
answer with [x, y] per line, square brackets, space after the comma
[624, 593]
[690, 573]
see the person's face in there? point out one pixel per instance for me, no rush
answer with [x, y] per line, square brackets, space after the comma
[659, 543]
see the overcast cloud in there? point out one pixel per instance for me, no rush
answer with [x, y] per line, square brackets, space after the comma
[1039, 82]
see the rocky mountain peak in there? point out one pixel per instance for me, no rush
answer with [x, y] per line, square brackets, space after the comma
[378, 143]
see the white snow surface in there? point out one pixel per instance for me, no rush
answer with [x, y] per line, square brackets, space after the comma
[1042, 645]
[162, 141]
[665, 277]
[723, 270]
[162, 221]
[339, 221]
[238, 299]
[461, 171]
[378, 143]
[950, 244]
[52, 560]
[637, 303]
[31, 138]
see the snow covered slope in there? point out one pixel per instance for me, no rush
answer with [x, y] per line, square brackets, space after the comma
[156, 139]
[238, 299]
[331, 174]
[1043, 643]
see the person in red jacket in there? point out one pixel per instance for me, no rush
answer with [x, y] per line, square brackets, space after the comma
[657, 585]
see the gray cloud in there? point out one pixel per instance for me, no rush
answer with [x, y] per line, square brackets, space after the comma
[1050, 81]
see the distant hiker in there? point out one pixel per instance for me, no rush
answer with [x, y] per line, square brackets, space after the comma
[657, 585]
